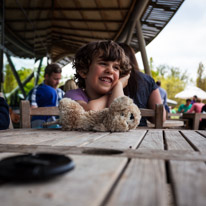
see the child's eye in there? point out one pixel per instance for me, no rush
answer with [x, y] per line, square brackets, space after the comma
[116, 68]
[102, 63]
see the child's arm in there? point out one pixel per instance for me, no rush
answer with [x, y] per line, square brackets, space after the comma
[106, 100]
[117, 90]
[96, 104]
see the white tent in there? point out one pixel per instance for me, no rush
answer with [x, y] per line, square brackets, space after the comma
[190, 91]
[170, 101]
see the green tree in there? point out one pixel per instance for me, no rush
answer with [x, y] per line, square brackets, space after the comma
[9, 80]
[10, 83]
[201, 77]
[173, 80]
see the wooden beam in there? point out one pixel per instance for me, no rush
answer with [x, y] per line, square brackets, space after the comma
[16, 75]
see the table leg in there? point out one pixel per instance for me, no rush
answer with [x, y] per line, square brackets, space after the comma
[196, 121]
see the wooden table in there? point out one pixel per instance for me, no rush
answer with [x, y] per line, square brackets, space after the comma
[141, 167]
[195, 117]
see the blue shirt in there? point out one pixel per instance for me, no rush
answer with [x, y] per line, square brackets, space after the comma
[44, 96]
[146, 85]
[32, 95]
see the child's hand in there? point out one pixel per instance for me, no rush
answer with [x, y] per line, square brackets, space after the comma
[124, 80]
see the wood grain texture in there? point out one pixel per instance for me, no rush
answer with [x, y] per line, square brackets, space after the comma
[87, 184]
[153, 140]
[150, 161]
[187, 177]
[175, 141]
[143, 183]
[197, 140]
[120, 140]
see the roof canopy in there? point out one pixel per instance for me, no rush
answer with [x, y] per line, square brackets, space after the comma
[57, 28]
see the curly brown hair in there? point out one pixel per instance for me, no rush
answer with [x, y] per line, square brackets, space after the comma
[106, 50]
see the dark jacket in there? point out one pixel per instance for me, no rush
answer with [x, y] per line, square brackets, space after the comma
[4, 114]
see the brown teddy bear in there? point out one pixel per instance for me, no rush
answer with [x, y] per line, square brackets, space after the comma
[121, 116]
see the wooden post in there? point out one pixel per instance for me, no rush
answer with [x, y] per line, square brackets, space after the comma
[142, 47]
[158, 116]
[25, 119]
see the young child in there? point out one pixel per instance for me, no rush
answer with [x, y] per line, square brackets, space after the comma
[102, 71]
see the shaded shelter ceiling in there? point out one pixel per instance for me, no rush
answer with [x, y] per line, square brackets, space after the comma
[57, 28]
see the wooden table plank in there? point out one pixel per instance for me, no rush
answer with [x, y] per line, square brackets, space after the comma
[146, 177]
[49, 137]
[119, 140]
[75, 138]
[187, 177]
[87, 184]
[153, 140]
[197, 140]
[202, 132]
[26, 136]
[175, 141]
[143, 183]
[189, 182]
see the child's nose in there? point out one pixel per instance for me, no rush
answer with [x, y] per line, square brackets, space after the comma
[109, 69]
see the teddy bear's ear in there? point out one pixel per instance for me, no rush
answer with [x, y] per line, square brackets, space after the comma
[121, 103]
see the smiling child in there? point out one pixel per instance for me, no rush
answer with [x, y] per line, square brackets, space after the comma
[102, 71]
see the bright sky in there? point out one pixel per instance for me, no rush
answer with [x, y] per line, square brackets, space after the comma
[182, 43]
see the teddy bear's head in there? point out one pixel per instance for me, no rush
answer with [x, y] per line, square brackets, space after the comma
[123, 115]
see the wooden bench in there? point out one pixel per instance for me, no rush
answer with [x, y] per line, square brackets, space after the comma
[176, 120]
[157, 114]
[26, 112]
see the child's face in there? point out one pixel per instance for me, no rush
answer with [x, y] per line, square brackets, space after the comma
[102, 77]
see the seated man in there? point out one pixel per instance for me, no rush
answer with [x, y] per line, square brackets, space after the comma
[185, 107]
[47, 93]
[4, 113]
[46, 96]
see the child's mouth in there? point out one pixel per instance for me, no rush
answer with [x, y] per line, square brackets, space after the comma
[106, 79]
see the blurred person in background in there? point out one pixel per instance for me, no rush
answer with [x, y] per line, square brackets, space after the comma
[141, 87]
[185, 107]
[163, 95]
[196, 107]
